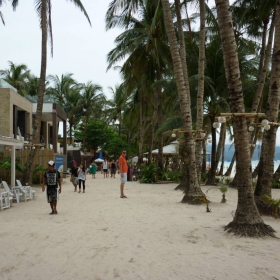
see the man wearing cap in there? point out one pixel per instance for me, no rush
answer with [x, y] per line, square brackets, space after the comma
[52, 180]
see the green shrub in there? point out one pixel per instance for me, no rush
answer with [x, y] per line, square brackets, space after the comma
[149, 174]
[163, 174]
[223, 190]
[174, 176]
[204, 177]
[274, 203]
[275, 184]
[227, 181]
[217, 180]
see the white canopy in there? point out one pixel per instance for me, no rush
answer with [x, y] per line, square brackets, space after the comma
[99, 160]
[135, 159]
[170, 149]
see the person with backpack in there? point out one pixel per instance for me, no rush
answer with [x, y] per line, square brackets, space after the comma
[53, 181]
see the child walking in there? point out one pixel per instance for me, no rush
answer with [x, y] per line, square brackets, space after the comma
[82, 177]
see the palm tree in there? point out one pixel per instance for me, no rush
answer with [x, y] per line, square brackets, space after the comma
[74, 109]
[14, 4]
[247, 220]
[60, 87]
[269, 138]
[66, 92]
[193, 191]
[44, 11]
[116, 106]
[144, 42]
[200, 87]
[2, 18]
[16, 76]
[92, 101]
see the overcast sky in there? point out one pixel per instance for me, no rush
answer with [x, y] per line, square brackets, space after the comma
[79, 48]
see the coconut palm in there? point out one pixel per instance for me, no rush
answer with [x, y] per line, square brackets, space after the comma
[2, 18]
[269, 138]
[145, 45]
[60, 87]
[92, 101]
[43, 8]
[116, 106]
[66, 93]
[247, 220]
[16, 76]
[193, 191]
[14, 4]
[74, 110]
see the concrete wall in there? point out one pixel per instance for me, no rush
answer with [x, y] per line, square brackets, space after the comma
[9, 98]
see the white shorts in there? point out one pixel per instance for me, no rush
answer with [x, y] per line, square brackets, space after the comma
[124, 178]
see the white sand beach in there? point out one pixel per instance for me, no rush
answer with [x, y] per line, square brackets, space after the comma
[149, 235]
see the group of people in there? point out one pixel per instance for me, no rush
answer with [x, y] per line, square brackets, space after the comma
[52, 178]
[109, 168]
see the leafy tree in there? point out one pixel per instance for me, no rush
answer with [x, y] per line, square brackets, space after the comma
[115, 144]
[96, 135]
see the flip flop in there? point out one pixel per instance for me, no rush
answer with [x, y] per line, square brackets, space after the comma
[55, 212]
[51, 213]
[123, 196]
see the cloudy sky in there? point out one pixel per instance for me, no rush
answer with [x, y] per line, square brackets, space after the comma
[79, 48]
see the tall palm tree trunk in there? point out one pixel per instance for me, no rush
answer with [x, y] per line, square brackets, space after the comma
[221, 144]
[200, 88]
[269, 138]
[247, 220]
[37, 124]
[188, 154]
[160, 121]
[229, 170]
[264, 63]
[204, 158]
[141, 132]
[221, 171]
[152, 130]
[212, 171]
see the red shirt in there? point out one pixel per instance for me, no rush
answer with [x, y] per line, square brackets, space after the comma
[122, 164]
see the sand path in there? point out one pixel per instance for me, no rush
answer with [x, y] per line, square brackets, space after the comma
[149, 235]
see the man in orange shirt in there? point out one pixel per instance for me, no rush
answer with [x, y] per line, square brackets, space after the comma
[123, 172]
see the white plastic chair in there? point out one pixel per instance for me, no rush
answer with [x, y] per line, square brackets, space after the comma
[13, 195]
[27, 191]
[4, 200]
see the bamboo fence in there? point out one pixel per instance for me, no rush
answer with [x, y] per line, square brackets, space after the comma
[42, 157]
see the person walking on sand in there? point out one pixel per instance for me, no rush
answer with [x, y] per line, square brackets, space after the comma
[52, 180]
[123, 172]
[74, 175]
[93, 169]
[113, 169]
[105, 168]
[82, 177]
